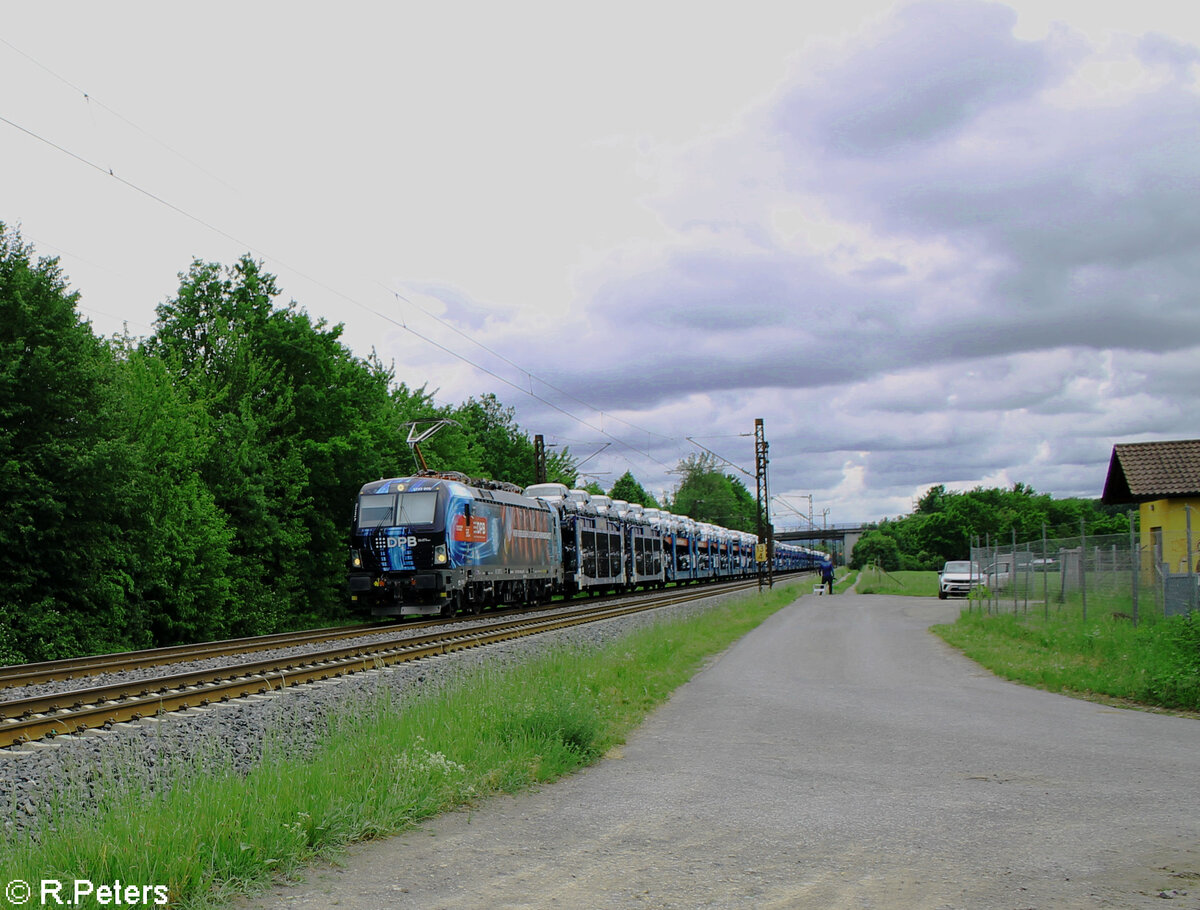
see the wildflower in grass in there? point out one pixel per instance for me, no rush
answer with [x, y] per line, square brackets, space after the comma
[417, 769]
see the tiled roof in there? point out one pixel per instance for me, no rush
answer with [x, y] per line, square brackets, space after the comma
[1139, 471]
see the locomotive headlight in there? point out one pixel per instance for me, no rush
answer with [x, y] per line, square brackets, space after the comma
[356, 559]
[439, 554]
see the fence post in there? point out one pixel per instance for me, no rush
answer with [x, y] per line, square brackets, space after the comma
[1135, 563]
[995, 558]
[1045, 578]
[987, 554]
[1083, 565]
[971, 588]
[1191, 582]
[1012, 572]
[1028, 573]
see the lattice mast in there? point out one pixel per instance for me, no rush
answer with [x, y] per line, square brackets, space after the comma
[766, 533]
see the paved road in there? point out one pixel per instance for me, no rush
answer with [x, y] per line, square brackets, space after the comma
[840, 756]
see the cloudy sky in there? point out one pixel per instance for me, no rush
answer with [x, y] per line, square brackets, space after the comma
[937, 242]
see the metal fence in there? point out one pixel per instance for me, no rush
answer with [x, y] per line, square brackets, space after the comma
[1112, 573]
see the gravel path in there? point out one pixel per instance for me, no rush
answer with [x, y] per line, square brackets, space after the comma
[838, 757]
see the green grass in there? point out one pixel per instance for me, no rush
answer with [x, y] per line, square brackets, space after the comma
[208, 832]
[844, 580]
[1053, 646]
[916, 584]
[1107, 593]
[1155, 664]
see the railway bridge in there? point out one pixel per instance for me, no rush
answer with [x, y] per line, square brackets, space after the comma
[840, 539]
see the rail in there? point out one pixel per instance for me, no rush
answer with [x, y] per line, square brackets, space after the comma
[24, 720]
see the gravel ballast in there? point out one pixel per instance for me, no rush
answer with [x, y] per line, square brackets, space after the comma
[234, 734]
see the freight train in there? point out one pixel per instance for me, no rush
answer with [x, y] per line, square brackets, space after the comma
[441, 543]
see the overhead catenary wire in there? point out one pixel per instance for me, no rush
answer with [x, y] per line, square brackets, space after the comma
[131, 185]
[721, 457]
[90, 100]
[523, 391]
[532, 376]
[318, 283]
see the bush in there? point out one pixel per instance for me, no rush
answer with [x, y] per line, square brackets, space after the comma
[1178, 683]
[875, 546]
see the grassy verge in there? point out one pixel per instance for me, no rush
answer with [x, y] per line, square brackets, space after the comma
[208, 835]
[1156, 664]
[1048, 601]
[916, 584]
[845, 580]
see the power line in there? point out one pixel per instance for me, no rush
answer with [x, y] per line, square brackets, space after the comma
[398, 323]
[127, 183]
[721, 457]
[91, 99]
[522, 369]
[531, 394]
[109, 171]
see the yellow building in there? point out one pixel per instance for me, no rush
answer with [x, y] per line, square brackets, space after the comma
[1163, 478]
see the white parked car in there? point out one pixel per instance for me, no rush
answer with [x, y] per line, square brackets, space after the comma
[957, 578]
[999, 574]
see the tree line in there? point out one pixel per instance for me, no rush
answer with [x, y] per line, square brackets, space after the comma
[197, 483]
[945, 523]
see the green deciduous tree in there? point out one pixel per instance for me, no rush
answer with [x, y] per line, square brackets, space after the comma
[706, 494]
[628, 489]
[198, 483]
[876, 547]
[65, 478]
[495, 446]
[178, 535]
[297, 424]
[213, 335]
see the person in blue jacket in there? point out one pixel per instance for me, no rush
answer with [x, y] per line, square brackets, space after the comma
[827, 572]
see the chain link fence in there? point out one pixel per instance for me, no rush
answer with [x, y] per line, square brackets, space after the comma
[1111, 573]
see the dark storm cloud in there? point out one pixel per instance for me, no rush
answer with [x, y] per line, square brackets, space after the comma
[1066, 211]
[716, 321]
[1064, 224]
[1107, 194]
[1170, 376]
[1158, 48]
[934, 68]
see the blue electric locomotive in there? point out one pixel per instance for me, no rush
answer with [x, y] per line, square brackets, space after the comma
[434, 545]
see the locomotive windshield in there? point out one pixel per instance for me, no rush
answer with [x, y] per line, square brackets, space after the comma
[417, 508]
[377, 510]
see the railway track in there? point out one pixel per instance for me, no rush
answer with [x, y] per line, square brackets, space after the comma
[24, 720]
[82, 667]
